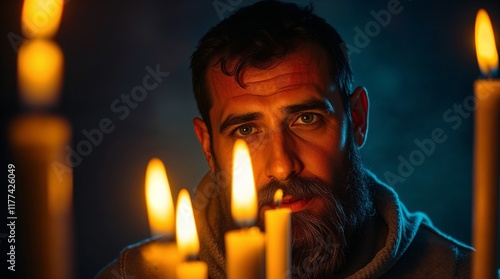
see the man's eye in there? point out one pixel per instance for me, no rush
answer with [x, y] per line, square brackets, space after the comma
[244, 131]
[306, 118]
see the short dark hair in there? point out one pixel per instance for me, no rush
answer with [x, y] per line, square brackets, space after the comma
[259, 35]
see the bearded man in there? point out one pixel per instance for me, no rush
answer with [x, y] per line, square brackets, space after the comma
[278, 76]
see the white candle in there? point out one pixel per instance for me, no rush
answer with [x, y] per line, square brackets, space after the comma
[187, 241]
[244, 247]
[161, 257]
[486, 152]
[244, 253]
[192, 270]
[278, 238]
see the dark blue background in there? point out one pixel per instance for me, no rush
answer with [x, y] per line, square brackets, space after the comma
[415, 69]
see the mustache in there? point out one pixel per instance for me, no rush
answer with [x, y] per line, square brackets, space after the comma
[296, 186]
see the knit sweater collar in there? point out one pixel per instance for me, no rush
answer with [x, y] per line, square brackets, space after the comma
[385, 237]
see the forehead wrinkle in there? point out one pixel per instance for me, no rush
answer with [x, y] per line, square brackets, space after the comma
[309, 92]
[278, 83]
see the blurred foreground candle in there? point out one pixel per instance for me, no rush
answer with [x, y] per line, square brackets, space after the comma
[486, 152]
[244, 247]
[40, 64]
[163, 255]
[41, 18]
[43, 178]
[187, 241]
[278, 238]
[43, 196]
[159, 200]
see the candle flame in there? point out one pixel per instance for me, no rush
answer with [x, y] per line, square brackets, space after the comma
[41, 18]
[39, 66]
[187, 237]
[278, 197]
[159, 199]
[486, 49]
[244, 194]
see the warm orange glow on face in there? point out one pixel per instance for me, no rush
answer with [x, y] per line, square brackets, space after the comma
[244, 194]
[486, 49]
[159, 199]
[40, 65]
[186, 235]
[41, 18]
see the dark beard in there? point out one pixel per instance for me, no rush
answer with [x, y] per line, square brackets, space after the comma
[320, 241]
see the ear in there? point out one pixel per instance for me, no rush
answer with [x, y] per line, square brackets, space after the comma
[201, 131]
[359, 113]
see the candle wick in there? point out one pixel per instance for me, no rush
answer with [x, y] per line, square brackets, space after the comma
[245, 224]
[278, 203]
[492, 72]
[278, 198]
[192, 258]
[166, 237]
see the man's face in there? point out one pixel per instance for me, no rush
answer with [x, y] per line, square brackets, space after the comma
[292, 118]
[290, 115]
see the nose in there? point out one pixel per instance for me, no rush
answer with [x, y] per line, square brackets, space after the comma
[283, 160]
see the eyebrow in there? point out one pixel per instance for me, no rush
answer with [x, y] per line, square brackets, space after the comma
[232, 120]
[315, 104]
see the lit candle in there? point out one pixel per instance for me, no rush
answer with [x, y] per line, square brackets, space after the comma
[44, 191]
[40, 65]
[187, 241]
[41, 18]
[159, 200]
[278, 229]
[40, 61]
[163, 255]
[244, 247]
[487, 140]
